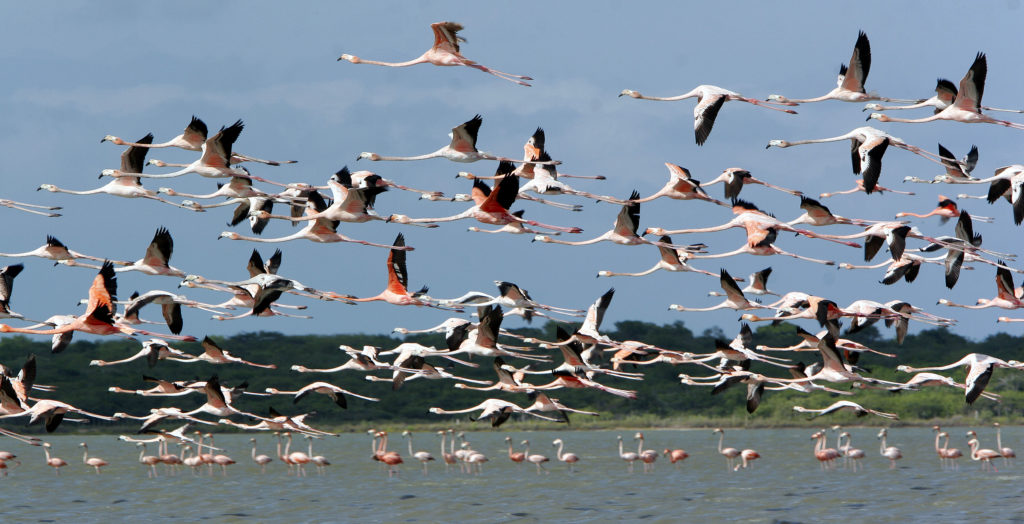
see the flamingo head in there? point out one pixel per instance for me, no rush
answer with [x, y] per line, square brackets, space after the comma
[157, 163]
[630, 93]
[350, 58]
[369, 156]
[878, 116]
[776, 98]
[229, 234]
[777, 143]
[872, 107]
[112, 138]
[604, 273]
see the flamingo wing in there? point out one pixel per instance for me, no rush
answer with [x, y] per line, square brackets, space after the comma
[595, 313]
[398, 276]
[195, 132]
[860, 64]
[102, 294]
[133, 158]
[158, 253]
[218, 147]
[704, 115]
[446, 35]
[871, 152]
[464, 135]
[972, 85]
[628, 219]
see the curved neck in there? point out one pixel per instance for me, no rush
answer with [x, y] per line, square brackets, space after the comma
[721, 437]
[559, 452]
[937, 436]
[142, 453]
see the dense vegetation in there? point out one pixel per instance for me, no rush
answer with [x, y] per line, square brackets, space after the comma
[662, 400]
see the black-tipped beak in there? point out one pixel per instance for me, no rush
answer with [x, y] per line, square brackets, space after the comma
[767, 146]
[868, 118]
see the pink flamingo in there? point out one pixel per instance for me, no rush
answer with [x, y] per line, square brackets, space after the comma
[444, 52]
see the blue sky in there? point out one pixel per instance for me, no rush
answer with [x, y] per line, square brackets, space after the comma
[76, 71]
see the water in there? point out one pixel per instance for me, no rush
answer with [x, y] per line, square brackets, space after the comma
[786, 484]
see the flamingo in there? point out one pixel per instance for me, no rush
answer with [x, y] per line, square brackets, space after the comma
[758, 284]
[676, 456]
[859, 187]
[213, 354]
[214, 162]
[647, 456]
[320, 461]
[1006, 452]
[535, 459]
[709, 102]
[54, 462]
[444, 52]
[946, 210]
[1006, 298]
[951, 454]
[628, 456]
[735, 298]
[397, 292]
[855, 454]
[150, 460]
[94, 462]
[155, 262]
[890, 452]
[128, 185]
[170, 308]
[868, 145]
[730, 454]
[462, 147]
[421, 456]
[336, 394]
[515, 456]
[300, 459]
[845, 405]
[984, 455]
[735, 178]
[261, 459]
[390, 458]
[681, 186]
[825, 456]
[449, 456]
[945, 93]
[850, 85]
[55, 250]
[672, 259]
[966, 107]
[570, 459]
[956, 170]
[499, 410]
[191, 139]
[490, 206]
[624, 231]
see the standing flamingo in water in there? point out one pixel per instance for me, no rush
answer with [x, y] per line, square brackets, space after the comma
[730, 454]
[421, 456]
[984, 455]
[444, 52]
[1006, 452]
[515, 456]
[53, 462]
[890, 452]
[262, 460]
[628, 456]
[94, 462]
[568, 458]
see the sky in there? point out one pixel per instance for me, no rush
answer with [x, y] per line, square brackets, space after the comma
[76, 71]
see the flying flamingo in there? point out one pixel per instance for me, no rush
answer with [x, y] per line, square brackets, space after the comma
[214, 162]
[758, 284]
[945, 93]
[845, 405]
[397, 292]
[462, 147]
[55, 250]
[490, 206]
[868, 145]
[1006, 452]
[1006, 298]
[946, 210]
[127, 183]
[569, 458]
[31, 208]
[53, 462]
[956, 170]
[624, 231]
[94, 462]
[321, 230]
[444, 52]
[191, 139]
[734, 297]
[709, 102]
[681, 186]
[98, 318]
[966, 107]
[629, 456]
[859, 187]
[735, 178]
[850, 85]
[155, 262]
[890, 452]
[672, 259]
[261, 459]
[497, 409]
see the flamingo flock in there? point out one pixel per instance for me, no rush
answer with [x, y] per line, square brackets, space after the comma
[521, 366]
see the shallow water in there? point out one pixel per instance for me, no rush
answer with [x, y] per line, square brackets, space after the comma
[786, 484]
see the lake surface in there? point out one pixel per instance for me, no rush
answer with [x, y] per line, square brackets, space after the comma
[786, 484]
